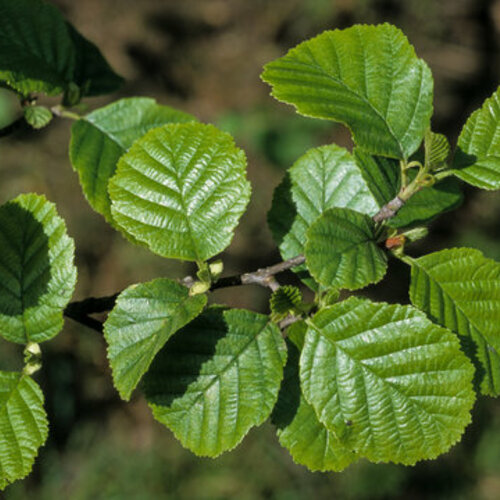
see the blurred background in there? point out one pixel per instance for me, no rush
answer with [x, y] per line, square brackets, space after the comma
[205, 57]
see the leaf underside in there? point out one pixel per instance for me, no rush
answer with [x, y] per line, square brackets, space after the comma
[367, 77]
[460, 290]
[391, 385]
[216, 378]
[37, 274]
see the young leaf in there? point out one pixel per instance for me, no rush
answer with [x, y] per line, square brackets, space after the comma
[37, 274]
[367, 77]
[323, 178]
[216, 378]
[23, 425]
[144, 318]
[389, 383]
[437, 150]
[460, 290]
[298, 427]
[342, 251]
[382, 176]
[37, 116]
[477, 159]
[286, 300]
[181, 190]
[99, 140]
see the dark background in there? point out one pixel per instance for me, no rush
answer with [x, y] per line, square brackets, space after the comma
[205, 57]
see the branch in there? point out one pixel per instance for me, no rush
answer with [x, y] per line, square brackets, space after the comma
[79, 311]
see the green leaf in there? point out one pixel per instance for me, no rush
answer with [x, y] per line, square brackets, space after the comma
[477, 159]
[217, 378]
[367, 77]
[23, 425]
[99, 140]
[342, 251]
[298, 427]
[383, 176]
[36, 51]
[41, 52]
[37, 274]
[460, 290]
[323, 178]
[37, 116]
[144, 318]
[181, 190]
[437, 150]
[93, 75]
[286, 300]
[399, 388]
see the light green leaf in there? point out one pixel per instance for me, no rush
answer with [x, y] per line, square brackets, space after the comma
[323, 178]
[286, 300]
[23, 425]
[37, 274]
[437, 150]
[367, 77]
[99, 140]
[477, 159]
[460, 290]
[181, 190]
[389, 383]
[383, 176]
[216, 378]
[37, 116]
[299, 429]
[342, 250]
[144, 318]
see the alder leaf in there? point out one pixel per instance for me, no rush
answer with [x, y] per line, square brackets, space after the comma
[383, 177]
[390, 384]
[100, 138]
[342, 250]
[323, 178]
[37, 273]
[460, 290]
[181, 189]
[144, 318]
[477, 159]
[298, 427]
[23, 425]
[286, 300]
[216, 378]
[37, 116]
[41, 52]
[367, 77]
[437, 150]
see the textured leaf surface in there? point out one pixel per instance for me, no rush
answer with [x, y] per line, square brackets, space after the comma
[299, 429]
[144, 318]
[181, 190]
[323, 178]
[437, 150]
[342, 251]
[100, 138]
[37, 274]
[391, 385]
[217, 378]
[477, 159]
[37, 116]
[382, 175]
[23, 425]
[41, 52]
[460, 289]
[286, 300]
[367, 77]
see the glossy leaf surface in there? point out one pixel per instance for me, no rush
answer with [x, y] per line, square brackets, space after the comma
[37, 273]
[392, 385]
[144, 318]
[216, 378]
